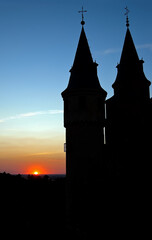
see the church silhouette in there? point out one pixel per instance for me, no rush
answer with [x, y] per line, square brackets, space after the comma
[108, 145]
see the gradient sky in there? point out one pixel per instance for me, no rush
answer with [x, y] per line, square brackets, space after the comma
[38, 41]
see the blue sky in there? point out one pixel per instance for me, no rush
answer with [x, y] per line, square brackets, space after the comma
[38, 41]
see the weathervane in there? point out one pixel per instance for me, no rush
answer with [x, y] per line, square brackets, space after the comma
[127, 20]
[82, 11]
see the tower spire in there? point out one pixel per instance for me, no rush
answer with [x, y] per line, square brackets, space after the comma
[130, 76]
[82, 11]
[127, 19]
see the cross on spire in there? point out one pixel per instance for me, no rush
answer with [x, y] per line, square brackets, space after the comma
[127, 19]
[82, 11]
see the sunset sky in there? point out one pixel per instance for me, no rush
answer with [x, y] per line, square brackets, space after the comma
[38, 41]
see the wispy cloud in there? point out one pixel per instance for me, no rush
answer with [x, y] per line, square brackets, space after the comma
[145, 46]
[41, 154]
[111, 51]
[107, 51]
[30, 114]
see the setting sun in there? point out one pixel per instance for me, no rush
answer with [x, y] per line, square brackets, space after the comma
[36, 169]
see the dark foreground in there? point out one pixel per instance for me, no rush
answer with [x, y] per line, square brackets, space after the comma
[35, 208]
[32, 208]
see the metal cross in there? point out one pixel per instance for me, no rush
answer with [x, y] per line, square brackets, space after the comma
[82, 11]
[126, 13]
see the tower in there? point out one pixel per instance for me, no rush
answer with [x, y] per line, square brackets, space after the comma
[84, 119]
[128, 114]
[128, 140]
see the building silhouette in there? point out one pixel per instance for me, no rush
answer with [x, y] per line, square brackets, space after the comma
[128, 128]
[107, 141]
[84, 119]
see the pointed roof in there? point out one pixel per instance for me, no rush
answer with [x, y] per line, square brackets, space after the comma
[130, 69]
[84, 70]
[129, 53]
[83, 55]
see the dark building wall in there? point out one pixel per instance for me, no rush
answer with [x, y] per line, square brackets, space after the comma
[84, 159]
[84, 121]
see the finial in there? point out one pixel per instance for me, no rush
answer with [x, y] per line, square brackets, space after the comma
[82, 11]
[127, 19]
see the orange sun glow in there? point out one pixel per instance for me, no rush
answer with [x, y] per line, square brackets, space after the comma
[36, 170]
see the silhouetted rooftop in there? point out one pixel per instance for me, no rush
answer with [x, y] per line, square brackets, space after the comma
[130, 69]
[129, 53]
[83, 55]
[84, 70]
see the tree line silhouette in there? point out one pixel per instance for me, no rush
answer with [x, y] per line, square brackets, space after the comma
[32, 207]
[36, 207]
